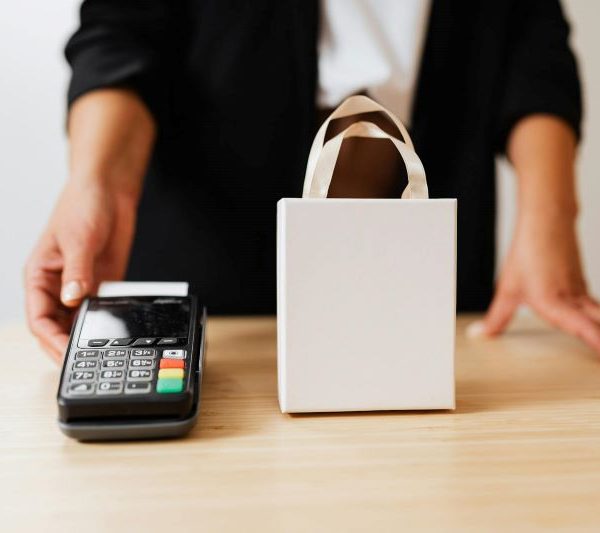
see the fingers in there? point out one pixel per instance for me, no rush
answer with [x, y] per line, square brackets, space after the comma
[571, 319]
[591, 308]
[48, 321]
[53, 341]
[77, 275]
[498, 316]
[45, 322]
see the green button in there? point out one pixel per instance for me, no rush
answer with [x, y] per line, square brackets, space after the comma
[167, 385]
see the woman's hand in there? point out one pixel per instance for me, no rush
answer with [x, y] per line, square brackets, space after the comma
[543, 271]
[89, 235]
[543, 267]
[87, 240]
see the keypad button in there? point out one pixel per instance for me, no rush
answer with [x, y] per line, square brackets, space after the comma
[86, 364]
[97, 343]
[174, 354]
[138, 387]
[87, 354]
[139, 375]
[113, 363]
[112, 375]
[83, 375]
[141, 363]
[169, 386]
[175, 373]
[143, 352]
[172, 363]
[81, 389]
[144, 341]
[121, 342]
[168, 341]
[114, 353]
[109, 387]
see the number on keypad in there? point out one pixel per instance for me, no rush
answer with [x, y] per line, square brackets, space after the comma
[109, 387]
[115, 353]
[141, 363]
[113, 363]
[85, 364]
[139, 375]
[143, 352]
[108, 375]
[83, 375]
[87, 354]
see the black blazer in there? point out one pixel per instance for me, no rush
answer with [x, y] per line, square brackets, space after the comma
[232, 85]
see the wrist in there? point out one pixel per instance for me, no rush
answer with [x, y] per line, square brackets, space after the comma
[548, 207]
[542, 149]
[111, 136]
[546, 223]
[548, 210]
[104, 184]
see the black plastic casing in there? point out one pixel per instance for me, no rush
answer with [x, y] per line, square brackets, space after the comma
[136, 416]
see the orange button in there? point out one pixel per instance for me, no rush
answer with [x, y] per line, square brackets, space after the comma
[172, 363]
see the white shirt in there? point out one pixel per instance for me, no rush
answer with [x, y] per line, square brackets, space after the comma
[372, 45]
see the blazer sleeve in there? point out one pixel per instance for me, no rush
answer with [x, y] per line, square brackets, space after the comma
[120, 43]
[541, 69]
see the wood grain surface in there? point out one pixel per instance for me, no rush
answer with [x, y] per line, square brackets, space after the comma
[521, 452]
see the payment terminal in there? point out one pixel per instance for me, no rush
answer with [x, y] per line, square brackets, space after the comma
[133, 368]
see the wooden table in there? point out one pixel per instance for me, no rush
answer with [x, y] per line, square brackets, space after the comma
[522, 450]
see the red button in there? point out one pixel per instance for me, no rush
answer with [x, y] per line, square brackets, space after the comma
[172, 363]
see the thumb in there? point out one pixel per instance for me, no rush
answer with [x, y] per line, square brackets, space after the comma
[497, 318]
[77, 275]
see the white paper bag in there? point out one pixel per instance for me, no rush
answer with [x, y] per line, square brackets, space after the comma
[365, 288]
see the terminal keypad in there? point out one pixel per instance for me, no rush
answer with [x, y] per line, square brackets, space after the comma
[108, 371]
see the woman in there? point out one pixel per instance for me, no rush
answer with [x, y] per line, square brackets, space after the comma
[188, 121]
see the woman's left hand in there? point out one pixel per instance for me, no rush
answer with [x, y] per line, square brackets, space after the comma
[543, 271]
[543, 267]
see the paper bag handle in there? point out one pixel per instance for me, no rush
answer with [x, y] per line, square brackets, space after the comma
[318, 186]
[317, 180]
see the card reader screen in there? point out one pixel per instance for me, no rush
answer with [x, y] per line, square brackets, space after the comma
[140, 317]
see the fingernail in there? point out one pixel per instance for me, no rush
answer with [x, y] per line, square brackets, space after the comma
[71, 291]
[475, 330]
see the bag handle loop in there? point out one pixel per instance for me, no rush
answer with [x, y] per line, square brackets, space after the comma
[323, 156]
[323, 173]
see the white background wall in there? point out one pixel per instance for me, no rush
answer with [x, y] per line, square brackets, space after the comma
[33, 162]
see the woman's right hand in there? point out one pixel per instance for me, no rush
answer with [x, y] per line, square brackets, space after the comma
[90, 232]
[87, 240]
